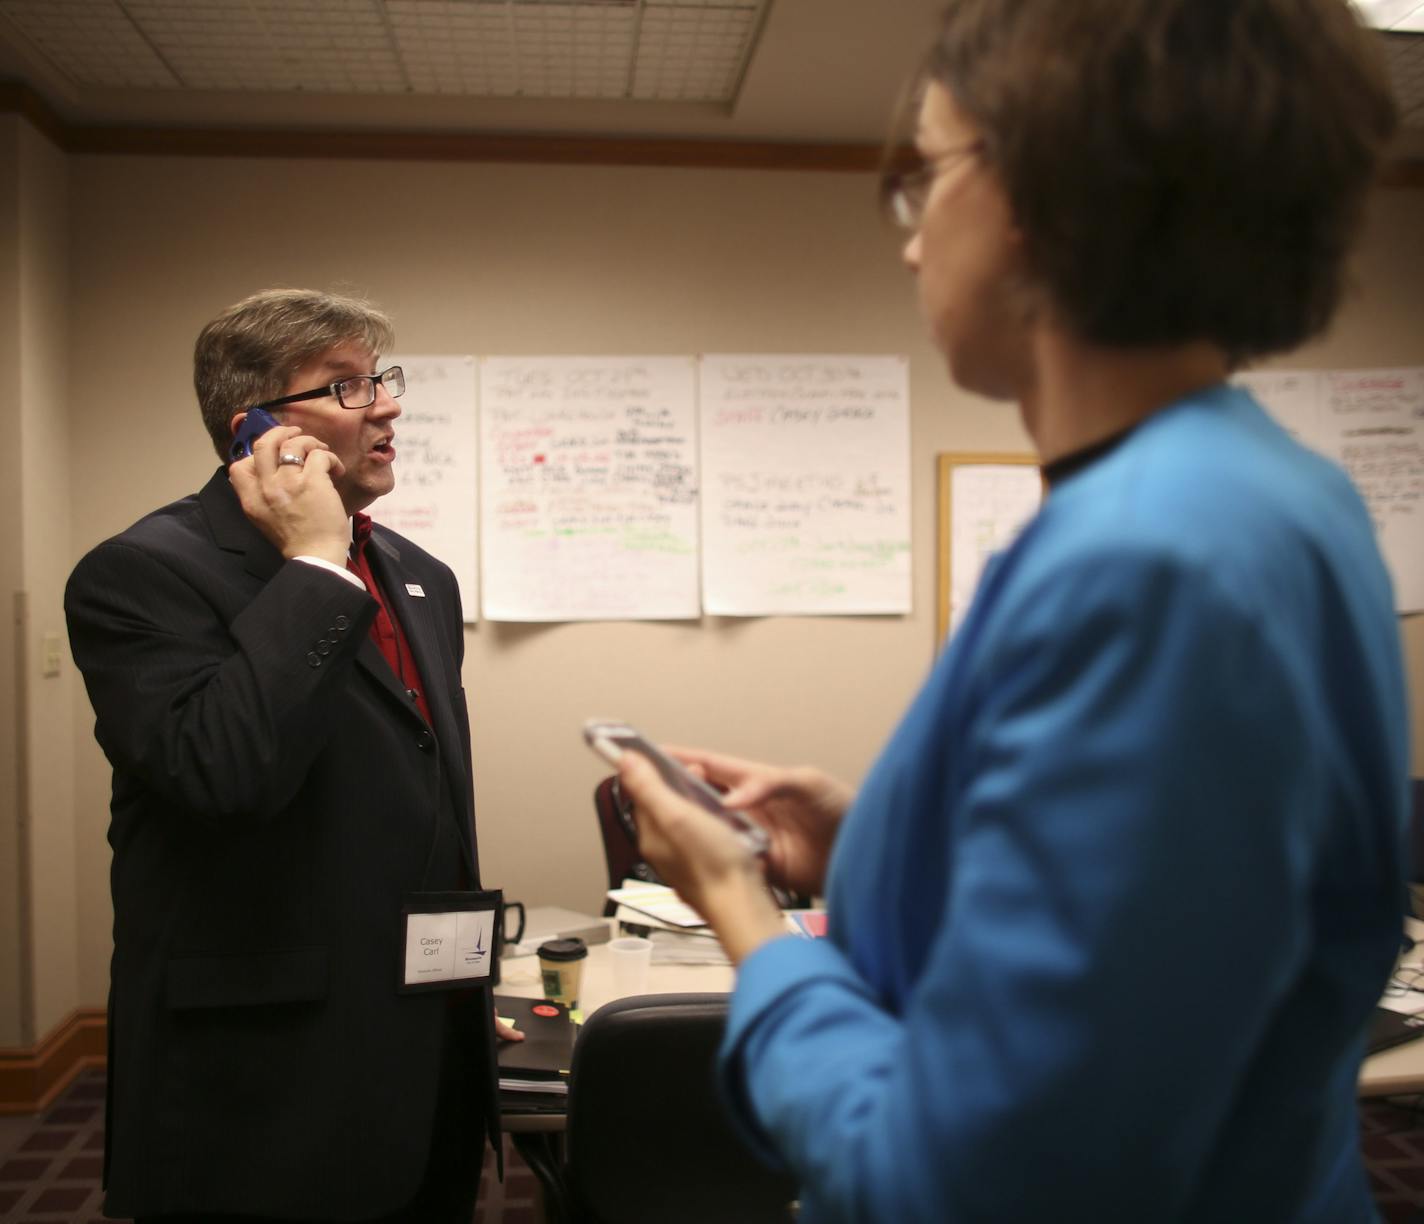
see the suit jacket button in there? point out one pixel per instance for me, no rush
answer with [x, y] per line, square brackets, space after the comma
[343, 623]
[323, 647]
[314, 659]
[425, 741]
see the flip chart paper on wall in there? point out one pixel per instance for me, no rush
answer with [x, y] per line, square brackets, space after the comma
[588, 488]
[435, 495]
[1292, 397]
[1371, 422]
[805, 485]
[989, 504]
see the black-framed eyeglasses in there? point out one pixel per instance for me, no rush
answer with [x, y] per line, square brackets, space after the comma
[358, 391]
[905, 189]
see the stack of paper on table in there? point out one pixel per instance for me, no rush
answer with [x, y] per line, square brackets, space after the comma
[677, 929]
[679, 935]
[656, 905]
[684, 948]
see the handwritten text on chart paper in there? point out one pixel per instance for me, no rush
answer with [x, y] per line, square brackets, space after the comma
[1370, 422]
[589, 488]
[805, 465]
[434, 499]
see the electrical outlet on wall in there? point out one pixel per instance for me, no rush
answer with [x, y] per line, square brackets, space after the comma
[49, 655]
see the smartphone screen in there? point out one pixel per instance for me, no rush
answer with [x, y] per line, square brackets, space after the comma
[611, 739]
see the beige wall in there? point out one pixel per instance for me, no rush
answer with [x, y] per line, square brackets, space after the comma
[47, 358]
[39, 927]
[530, 259]
[14, 991]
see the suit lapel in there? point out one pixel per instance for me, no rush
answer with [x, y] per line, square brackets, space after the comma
[418, 621]
[432, 659]
[233, 531]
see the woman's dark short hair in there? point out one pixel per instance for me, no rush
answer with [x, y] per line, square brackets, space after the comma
[1181, 169]
[247, 354]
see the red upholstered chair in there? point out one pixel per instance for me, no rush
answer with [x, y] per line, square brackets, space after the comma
[620, 838]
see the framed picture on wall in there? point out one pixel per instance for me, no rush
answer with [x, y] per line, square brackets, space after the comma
[983, 502]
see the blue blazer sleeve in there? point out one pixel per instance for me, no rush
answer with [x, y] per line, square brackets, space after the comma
[1131, 788]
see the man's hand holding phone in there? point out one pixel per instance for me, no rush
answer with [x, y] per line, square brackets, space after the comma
[285, 487]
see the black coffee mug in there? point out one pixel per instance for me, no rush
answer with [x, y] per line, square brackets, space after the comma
[506, 936]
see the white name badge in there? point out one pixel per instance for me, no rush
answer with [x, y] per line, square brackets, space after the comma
[449, 940]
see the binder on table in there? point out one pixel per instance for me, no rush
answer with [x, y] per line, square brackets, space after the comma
[535, 1071]
[1390, 1028]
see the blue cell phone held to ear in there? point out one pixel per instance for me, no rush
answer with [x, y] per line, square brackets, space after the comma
[256, 423]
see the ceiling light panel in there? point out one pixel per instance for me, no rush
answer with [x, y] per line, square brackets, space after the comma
[323, 46]
[516, 49]
[1403, 15]
[694, 51]
[91, 42]
[666, 50]
[1404, 54]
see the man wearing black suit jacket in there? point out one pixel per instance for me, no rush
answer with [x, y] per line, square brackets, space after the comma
[281, 794]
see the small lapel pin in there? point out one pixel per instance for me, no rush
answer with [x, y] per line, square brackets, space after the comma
[414, 588]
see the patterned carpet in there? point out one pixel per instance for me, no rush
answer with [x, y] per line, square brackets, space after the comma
[1392, 1138]
[50, 1167]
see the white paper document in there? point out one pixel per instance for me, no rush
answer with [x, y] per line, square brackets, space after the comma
[989, 504]
[588, 488]
[1370, 422]
[805, 485]
[657, 901]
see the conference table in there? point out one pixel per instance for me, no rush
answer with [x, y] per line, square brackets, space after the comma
[519, 976]
[1396, 1071]
[1399, 1070]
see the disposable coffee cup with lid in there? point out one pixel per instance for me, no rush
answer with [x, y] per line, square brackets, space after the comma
[561, 967]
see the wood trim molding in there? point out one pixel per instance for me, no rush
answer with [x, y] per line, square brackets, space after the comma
[31, 1078]
[473, 147]
[1403, 174]
[18, 98]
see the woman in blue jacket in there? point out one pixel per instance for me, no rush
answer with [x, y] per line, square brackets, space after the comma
[1109, 912]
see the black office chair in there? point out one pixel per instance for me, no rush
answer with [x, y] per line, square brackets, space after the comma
[648, 1141]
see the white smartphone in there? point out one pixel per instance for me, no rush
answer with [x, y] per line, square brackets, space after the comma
[611, 739]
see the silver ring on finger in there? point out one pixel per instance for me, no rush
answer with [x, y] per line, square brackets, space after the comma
[294, 460]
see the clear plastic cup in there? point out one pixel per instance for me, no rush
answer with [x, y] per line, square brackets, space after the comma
[630, 957]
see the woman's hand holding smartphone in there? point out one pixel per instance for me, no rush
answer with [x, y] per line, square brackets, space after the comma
[611, 739]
